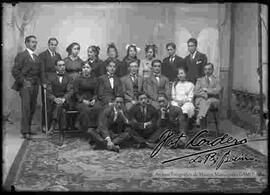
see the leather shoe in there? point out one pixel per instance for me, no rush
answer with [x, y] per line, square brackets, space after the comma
[114, 148]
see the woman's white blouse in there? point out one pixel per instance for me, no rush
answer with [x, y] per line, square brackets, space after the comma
[183, 91]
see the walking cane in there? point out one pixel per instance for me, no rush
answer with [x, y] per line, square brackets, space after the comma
[45, 105]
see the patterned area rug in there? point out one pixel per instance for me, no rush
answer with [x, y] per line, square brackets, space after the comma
[44, 166]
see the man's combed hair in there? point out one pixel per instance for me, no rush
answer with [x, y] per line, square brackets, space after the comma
[27, 39]
[162, 94]
[155, 61]
[193, 40]
[171, 44]
[207, 64]
[52, 39]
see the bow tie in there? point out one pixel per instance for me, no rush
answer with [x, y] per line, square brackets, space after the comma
[110, 76]
[157, 75]
[60, 74]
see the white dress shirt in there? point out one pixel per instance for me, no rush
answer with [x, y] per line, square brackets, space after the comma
[31, 53]
[111, 81]
[52, 53]
[193, 55]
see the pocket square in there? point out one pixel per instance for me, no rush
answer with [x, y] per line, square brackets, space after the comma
[198, 62]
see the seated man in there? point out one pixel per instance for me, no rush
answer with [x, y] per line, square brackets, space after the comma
[113, 127]
[206, 92]
[132, 84]
[156, 83]
[169, 117]
[143, 118]
[59, 91]
[109, 85]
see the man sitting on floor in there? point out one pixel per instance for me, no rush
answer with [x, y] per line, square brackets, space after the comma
[143, 118]
[59, 91]
[206, 92]
[113, 127]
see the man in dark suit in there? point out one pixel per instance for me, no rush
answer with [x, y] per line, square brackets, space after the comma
[48, 60]
[28, 75]
[156, 83]
[143, 120]
[132, 85]
[171, 63]
[109, 85]
[59, 91]
[113, 127]
[195, 61]
[206, 92]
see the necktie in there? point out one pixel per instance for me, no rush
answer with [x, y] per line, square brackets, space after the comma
[207, 81]
[34, 56]
[171, 59]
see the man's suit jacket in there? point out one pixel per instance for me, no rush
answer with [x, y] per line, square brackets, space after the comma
[56, 89]
[169, 69]
[128, 87]
[195, 66]
[152, 87]
[48, 62]
[106, 122]
[26, 68]
[104, 91]
[213, 86]
[171, 119]
[137, 118]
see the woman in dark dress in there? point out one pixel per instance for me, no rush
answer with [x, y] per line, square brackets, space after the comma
[94, 61]
[131, 56]
[73, 62]
[112, 53]
[86, 98]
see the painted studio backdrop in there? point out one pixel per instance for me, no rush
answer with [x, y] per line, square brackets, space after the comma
[139, 23]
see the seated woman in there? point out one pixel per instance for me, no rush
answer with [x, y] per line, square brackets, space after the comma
[86, 98]
[182, 95]
[131, 56]
[112, 53]
[145, 69]
[73, 62]
[94, 61]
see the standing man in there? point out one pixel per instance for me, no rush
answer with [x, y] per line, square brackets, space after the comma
[195, 61]
[206, 92]
[48, 60]
[132, 84]
[156, 84]
[28, 75]
[171, 63]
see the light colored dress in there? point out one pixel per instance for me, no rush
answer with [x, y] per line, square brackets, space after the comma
[183, 91]
[145, 69]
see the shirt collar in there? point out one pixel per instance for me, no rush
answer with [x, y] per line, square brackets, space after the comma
[210, 77]
[109, 75]
[30, 52]
[156, 75]
[173, 56]
[51, 52]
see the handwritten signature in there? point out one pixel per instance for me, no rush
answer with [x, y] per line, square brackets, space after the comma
[168, 138]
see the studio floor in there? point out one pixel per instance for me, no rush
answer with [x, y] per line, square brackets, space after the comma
[12, 142]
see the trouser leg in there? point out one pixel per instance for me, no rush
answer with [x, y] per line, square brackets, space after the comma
[121, 138]
[96, 137]
[203, 106]
[25, 110]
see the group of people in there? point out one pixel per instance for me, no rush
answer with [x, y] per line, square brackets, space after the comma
[117, 101]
